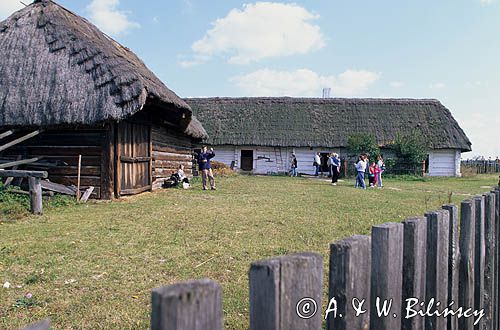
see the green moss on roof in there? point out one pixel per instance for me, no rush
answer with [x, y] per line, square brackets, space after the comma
[313, 122]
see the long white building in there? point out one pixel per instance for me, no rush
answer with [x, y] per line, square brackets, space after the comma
[258, 135]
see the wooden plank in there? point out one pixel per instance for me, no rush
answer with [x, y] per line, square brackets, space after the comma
[18, 162]
[23, 174]
[69, 180]
[59, 188]
[35, 195]
[87, 194]
[107, 165]
[172, 149]
[437, 264]
[54, 150]
[453, 262]
[277, 285]
[73, 171]
[42, 325]
[467, 264]
[349, 278]
[193, 305]
[135, 191]
[497, 258]
[489, 266]
[126, 159]
[7, 133]
[479, 258]
[414, 268]
[386, 277]
[78, 177]
[118, 154]
[19, 140]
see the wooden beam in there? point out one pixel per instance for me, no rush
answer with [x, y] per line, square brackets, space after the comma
[87, 194]
[7, 133]
[35, 195]
[19, 140]
[78, 178]
[23, 174]
[59, 188]
[19, 162]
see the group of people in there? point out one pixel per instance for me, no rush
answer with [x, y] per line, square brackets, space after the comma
[375, 170]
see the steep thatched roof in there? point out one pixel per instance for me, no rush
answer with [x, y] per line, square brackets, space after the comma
[310, 122]
[56, 68]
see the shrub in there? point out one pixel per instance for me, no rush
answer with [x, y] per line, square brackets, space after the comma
[363, 143]
[411, 148]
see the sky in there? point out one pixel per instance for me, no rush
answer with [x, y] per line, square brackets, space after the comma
[447, 50]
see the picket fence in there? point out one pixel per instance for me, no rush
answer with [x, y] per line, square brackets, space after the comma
[430, 263]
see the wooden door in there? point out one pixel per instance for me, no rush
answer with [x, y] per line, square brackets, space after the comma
[247, 160]
[133, 158]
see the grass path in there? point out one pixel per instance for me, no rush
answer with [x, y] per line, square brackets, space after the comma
[92, 266]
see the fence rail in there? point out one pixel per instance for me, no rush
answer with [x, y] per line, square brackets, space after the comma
[482, 166]
[425, 271]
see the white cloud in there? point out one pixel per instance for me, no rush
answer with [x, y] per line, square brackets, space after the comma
[7, 7]
[105, 14]
[261, 30]
[396, 84]
[487, 2]
[438, 85]
[304, 82]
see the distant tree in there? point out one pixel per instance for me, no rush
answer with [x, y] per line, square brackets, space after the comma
[412, 148]
[359, 143]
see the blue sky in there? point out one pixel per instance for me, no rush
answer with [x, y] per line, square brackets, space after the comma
[449, 50]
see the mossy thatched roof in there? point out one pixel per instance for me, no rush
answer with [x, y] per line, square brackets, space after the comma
[56, 68]
[312, 122]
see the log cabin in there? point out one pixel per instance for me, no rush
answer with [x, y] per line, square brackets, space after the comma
[258, 134]
[75, 91]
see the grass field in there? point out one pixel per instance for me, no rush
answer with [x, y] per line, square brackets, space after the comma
[92, 266]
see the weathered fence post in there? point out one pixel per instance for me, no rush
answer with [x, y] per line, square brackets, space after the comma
[286, 293]
[414, 253]
[193, 305]
[479, 259]
[437, 265]
[453, 262]
[497, 258]
[350, 268]
[387, 276]
[466, 268]
[35, 188]
[489, 265]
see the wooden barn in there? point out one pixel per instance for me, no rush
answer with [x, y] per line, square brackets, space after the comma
[258, 135]
[67, 89]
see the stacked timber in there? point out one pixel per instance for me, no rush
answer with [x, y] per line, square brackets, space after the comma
[59, 150]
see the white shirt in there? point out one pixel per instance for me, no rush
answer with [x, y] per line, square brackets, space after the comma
[317, 159]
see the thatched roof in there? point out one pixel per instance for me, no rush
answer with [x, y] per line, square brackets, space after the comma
[56, 68]
[312, 122]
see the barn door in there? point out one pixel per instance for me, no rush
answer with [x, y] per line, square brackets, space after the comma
[133, 158]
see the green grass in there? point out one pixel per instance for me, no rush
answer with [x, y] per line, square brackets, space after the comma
[92, 266]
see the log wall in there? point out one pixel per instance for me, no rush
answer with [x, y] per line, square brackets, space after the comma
[60, 148]
[169, 150]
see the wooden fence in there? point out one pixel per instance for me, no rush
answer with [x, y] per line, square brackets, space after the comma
[438, 271]
[482, 166]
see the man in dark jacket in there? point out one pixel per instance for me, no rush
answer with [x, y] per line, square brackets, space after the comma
[206, 169]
